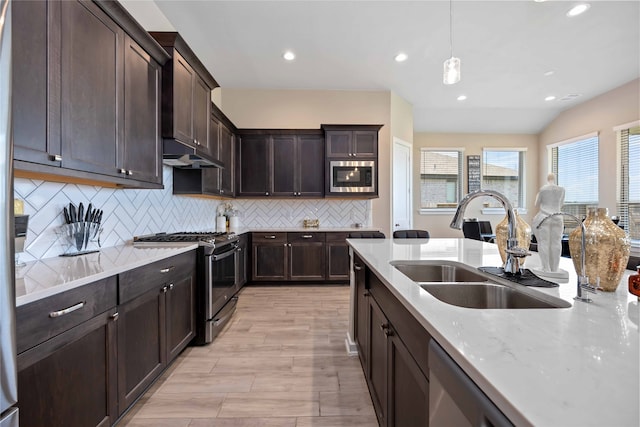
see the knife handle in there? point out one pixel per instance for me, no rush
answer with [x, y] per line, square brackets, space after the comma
[67, 218]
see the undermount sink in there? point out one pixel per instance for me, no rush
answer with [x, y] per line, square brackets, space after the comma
[463, 286]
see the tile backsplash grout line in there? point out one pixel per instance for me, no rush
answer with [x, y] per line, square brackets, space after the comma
[129, 212]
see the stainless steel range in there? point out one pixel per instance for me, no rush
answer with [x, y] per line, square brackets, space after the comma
[217, 277]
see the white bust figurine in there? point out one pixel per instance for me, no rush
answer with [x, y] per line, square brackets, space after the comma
[549, 200]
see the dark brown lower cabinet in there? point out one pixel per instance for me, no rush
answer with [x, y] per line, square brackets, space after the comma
[270, 256]
[155, 326]
[337, 256]
[69, 379]
[141, 344]
[390, 346]
[306, 256]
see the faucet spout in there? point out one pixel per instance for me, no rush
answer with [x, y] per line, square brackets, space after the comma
[512, 263]
[583, 280]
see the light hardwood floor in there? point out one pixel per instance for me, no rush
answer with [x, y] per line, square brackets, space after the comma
[281, 362]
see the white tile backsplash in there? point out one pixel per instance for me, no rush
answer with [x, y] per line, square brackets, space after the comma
[129, 213]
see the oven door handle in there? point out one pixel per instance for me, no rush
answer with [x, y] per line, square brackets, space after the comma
[225, 254]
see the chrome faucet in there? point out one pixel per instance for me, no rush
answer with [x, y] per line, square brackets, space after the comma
[583, 280]
[514, 253]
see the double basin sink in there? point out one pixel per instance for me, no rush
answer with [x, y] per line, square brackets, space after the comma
[458, 284]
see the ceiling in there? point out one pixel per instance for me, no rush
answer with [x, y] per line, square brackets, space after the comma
[506, 47]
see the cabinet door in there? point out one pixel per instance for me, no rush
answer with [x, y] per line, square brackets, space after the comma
[141, 345]
[180, 318]
[377, 358]
[201, 115]
[254, 175]
[339, 143]
[337, 257]
[365, 143]
[183, 100]
[284, 165]
[243, 260]
[307, 261]
[270, 261]
[142, 149]
[31, 143]
[408, 392]
[212, 177]
[309, 166]
[227, 157]
[91, 87]
[70, 379]
[361, 312]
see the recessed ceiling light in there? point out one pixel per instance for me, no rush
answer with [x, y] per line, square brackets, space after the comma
[462, 97]
[401, 57]
[578, 9]
[549, 73]
[550, 98]
[289, 56]
[539, 1]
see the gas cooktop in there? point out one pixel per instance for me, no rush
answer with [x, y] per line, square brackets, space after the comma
[203, 238]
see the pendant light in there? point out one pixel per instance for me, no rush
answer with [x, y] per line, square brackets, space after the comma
[451, 73]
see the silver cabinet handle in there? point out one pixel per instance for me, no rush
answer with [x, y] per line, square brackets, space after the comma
[115, 316]
[123, 171]
[67, 310]
[239, 249]
[164, 289]
[357, 267]
[166, 270]
[307, 236]
[266, 194]
[170, 286]
[270, 237]
[129, 172]
[289, 244]
[221, 191]
[56, 157]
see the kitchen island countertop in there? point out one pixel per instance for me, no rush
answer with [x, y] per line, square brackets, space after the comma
[576, 366]
[40, 279]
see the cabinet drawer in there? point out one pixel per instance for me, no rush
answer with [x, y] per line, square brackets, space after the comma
[268, 237]
[307, 237]
[140, 280]
[40, 320]
[336, 237]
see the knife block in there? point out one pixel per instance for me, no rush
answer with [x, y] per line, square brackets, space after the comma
[81, 238]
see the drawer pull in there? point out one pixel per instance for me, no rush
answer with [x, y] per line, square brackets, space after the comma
[307, 236]
[270, 237]
[166, 270]
[357, 267]
[67, 310]
[115, 316]
[56, 157]
[170, 286]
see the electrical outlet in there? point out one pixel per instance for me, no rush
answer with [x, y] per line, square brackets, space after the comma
[18, 207]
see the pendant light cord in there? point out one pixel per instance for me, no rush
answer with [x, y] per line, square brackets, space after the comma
[451, 28]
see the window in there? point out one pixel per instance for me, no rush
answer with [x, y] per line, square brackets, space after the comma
[503, 171]
[440, 178]
[575, 164]
[629, 198]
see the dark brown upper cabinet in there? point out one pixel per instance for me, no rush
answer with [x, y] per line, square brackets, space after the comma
[280, 163]
[186, 99]
[212, 181]
[353, 141]
[86, 96]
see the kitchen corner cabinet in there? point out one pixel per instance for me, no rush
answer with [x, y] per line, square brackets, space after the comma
[351, 142]
[66, 358]
[212, 181]
[186, 95]
[280, 163]
[395, 359]
[86, 98]
[156, 322]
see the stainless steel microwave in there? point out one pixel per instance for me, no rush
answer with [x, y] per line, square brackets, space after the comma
[349, 176]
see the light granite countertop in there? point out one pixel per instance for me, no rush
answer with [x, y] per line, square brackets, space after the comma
[40, 279]
[576, 366]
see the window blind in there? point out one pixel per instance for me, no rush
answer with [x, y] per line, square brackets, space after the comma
[629, 197]
[576, 168]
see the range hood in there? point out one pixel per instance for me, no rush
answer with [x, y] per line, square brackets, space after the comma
[179, 155]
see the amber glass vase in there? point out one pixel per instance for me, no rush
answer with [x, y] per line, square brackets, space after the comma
[523, 233]
[607, 249]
